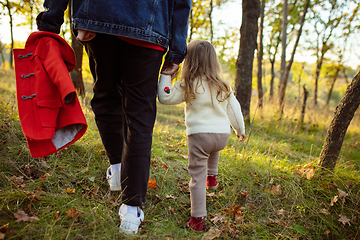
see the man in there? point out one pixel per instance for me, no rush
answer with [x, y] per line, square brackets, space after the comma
[125, 41]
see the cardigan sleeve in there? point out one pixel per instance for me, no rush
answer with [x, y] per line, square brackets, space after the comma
[167, 94]
[235, 115]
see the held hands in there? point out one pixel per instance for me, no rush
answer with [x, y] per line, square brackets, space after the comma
[85, 35]
[170, 68]
[242, 137]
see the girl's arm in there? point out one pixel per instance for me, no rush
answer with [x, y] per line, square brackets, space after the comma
[235, 116]
[167, 94]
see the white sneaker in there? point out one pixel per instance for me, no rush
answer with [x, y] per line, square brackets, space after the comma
[130, 222]
[114, 180]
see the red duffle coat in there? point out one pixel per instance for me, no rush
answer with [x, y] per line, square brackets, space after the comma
[50, 114]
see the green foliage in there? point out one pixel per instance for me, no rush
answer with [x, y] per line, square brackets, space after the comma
[265, 191]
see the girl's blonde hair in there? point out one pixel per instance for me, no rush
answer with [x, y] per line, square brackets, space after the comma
[202, 63]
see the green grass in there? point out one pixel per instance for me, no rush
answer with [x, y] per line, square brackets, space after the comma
[243, 207]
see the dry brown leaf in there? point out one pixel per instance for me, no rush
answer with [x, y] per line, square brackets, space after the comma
[281, 212]
[44, 177]
[310, 173]
[342, 195]
[324, 211]
[2, 235]
[72, 212]
[344, 220]
[165, 167]
[56, 215]
[239, 216]
[21, 216]
[212, 234]
[152, 184]
[69, 191]
[274, 190]
[244, 193]
[170, 197]
[4, 228]
[218, 217]
[172, 210]
[333, 200]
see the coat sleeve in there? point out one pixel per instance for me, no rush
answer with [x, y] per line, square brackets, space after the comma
[58, 72]
[167, 94]
[52, 19]
[179, 27]
[235, 115]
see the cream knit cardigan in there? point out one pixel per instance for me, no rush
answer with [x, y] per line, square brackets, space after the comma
[201, 116]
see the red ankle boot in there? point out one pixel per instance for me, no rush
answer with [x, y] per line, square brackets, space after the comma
[196, 224]
[211, 182]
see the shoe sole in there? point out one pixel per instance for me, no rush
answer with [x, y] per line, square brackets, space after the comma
[211, 187]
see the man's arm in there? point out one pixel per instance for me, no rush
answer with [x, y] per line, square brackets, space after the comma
[177, 45]
[53, 17]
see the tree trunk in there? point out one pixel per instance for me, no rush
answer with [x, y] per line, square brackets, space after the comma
[317, 73]
[244, 63]
[303, 107]
[343, 115]
[332, 86]
[288, 67]
[272, 79]
[260, 52]
[283, 42]
[11, 33]
[211, 22]
[76, 74]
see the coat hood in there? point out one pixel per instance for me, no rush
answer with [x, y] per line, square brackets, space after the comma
[66, 50]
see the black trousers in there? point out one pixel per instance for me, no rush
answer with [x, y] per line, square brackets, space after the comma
[124, 103]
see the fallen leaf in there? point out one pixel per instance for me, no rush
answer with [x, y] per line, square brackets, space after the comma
[170, 196]
[281, 212]
[333, 200]
[165, 167]
[274, 190]
[239, 216]
[310, 173]
[184, 156]
[342, 195]
[2, 235]
[4, 228]
[72, 212]
[344, 220]
[56, 215]
[69, 191]
[44, 177]
[244, 193]
[212, 234]
[324, 211]
[218, 217]
[172, 210]
[21, 216]
[152, 184]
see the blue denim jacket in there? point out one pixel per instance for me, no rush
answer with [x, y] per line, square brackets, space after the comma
[163, 22]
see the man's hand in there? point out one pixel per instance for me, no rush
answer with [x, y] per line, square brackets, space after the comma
[170, 68]
[84, 35]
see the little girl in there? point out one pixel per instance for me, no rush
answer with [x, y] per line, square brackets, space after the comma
[210, 108]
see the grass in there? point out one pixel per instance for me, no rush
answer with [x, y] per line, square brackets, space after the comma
[266, 189]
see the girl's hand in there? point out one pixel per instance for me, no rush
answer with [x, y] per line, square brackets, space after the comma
[85, 35]
[242, 137]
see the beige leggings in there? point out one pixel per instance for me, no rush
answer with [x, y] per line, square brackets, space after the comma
[203, 155]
